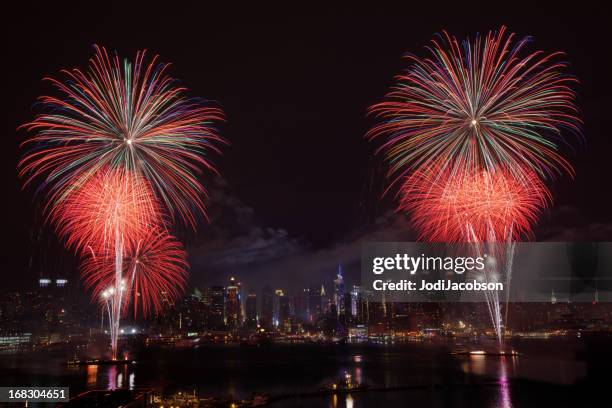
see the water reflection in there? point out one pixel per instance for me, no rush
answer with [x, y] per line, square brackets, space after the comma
[171, 369]
[504, 389]
[112, 377]
[475, 365]
[92, 376]
[358, 376]
[336, 401]
[542, 368]
[498, 367]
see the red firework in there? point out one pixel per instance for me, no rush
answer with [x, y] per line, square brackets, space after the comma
[113, 207]
[154, 273]
[481, 206]
[130, 116]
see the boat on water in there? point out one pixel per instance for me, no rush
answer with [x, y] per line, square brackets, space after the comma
[344, 384]
[485, 353]
[192, 399]
[96, 361]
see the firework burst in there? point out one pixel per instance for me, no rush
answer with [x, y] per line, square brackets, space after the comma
[484, 105]
[475, 207]
[154, 273]
[126, 116]
[112, 207]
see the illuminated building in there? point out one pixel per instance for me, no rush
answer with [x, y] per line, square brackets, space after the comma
[233, 304]
[44, 282]
[346, 310]
[251, 309]
[325, 300]
[300, 305]
[359, 331]
[357, 304]
[267, 307]
[338, 296]
[284, 315]
[314, 303]
[217, 307]
[282, 309]
[14, 342]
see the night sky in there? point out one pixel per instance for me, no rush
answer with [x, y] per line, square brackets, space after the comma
[300, 188]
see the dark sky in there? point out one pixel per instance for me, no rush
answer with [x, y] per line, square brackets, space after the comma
[295, 85]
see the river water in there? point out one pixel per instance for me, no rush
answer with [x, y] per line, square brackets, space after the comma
[557, 372]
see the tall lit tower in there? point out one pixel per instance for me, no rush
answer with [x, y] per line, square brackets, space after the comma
[356, 304]
[232, 304]
[338, 297]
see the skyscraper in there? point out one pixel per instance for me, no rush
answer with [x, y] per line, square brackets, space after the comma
[251, 309]
[233, 304]
[300, 305]
[338, 296]
[217, 307]
[326, 300]
[346, 313]
[267, 307]
[356, 304]
[282, 309]
[314, 303]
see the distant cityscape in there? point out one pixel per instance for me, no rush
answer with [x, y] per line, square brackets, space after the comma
[56, 313]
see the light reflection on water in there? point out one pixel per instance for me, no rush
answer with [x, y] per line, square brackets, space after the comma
[482, 365]
[334, 401]
[112, 377]
[504, 389]
[551, 370]
[498, 368]
[109, 377]
[358, 376]
[92, 376]
[239, 372]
